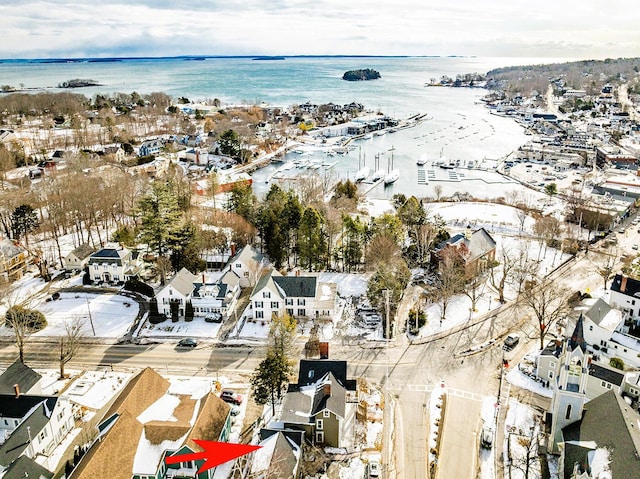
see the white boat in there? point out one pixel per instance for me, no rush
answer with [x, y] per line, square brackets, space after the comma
[392, 176]
[362, 173]
[422, 160]
[377, 175]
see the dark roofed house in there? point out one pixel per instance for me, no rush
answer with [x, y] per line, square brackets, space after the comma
[113, 264]
[21, 375]
[322, 403]
[32, 426]
[299, 296]
[25, 467]
[475, 250]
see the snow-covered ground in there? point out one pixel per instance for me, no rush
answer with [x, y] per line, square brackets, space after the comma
[521, 433]
[488, 413]
[198, 328]
[111, 314]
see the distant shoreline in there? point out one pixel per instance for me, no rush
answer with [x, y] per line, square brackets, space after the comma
[206, 57]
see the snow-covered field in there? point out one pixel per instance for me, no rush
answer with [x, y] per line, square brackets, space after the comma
[111, 314]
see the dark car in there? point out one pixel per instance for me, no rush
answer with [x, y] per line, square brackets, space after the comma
[511, 342]
[213, 318]
[187, 343]
[231, 396]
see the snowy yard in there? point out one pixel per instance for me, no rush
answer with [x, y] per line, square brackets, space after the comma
[198, 328]
[110, 315]
[521, 442]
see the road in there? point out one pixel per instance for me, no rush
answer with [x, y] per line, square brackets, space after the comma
[204, 360]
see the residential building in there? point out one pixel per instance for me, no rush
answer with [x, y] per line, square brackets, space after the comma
[115, 153]
[32, 426]
[114, 264]
[475, 250]
[78, 259]
[613, 332]
[150, 420]
[249, 265]
[150, 147]
[320, 404]
[206, 296]
[299, 296]
[22, 376]
[13, 261]
[279, 456]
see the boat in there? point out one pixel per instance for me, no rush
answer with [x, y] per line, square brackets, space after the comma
[422, 160]
[362, 173]
[392, 176]
[393, 173]
[377, 175]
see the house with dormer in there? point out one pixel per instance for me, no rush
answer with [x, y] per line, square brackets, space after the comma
[206, 296]
[31, 427]
[299, 296]
[114, 264]
[150, 147]
[248, 264]
[279, 456]
[322, 404]
[475, 250]
[151, 419]
[21, 376]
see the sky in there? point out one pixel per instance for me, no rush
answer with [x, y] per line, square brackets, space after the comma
[489, 28]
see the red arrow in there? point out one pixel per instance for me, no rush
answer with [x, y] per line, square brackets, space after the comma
[214, 454]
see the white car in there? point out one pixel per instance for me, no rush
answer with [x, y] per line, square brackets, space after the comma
[374, 468]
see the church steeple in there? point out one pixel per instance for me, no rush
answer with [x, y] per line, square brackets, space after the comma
[577, 338]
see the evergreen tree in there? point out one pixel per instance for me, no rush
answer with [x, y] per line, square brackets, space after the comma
[311, 239]
[24, 220]
[188, 311]
[353, 236]
[242, 201]
[160, 217]
[273, 226]
[229, 142]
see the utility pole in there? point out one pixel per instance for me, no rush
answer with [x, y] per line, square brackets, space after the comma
[90, 319]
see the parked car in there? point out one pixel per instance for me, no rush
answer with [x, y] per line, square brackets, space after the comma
[230, 396]
[374, 468]
[235, 410]
[511, 342]
[213, 318]
[486, 437]
[187, 343]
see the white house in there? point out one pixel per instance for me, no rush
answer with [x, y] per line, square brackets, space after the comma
[248, 264]
[625, 296]
[607, 330]
[78, 258]
[299, 296]
[114, 264]
[32, 426]
[206, 296]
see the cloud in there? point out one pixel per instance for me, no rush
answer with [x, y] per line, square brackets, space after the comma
[42, 28]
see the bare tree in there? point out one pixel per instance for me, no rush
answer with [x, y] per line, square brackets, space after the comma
[548, 304]
[507, 266]
[70, 342]
[437, 190]
[22, 321]
[522, 216]
[256, 269]
[606, 265]
[527, 457]
[451, 279]
[525, 268]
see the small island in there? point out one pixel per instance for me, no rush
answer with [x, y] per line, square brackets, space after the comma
[78, 83]
[362, 74]
[263, 58]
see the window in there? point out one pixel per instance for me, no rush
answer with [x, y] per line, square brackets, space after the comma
[259, 314]
[550, 374]
[170, 292]
[319, 424]
[288, 301]
[259, 304]
[6, 422]
[238, 265]
[319, 436]
[301, 302]
[603, 384]
[552, 364]
[633, 391]
[43, 434]
[275, 305]
[568, 415]
[302, 312]
[326, 413]
[60, 415]
[290, 311]
[266, 294]
[590, 328]
[608, 386]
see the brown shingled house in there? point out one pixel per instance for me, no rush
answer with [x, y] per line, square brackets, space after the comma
[148, 422]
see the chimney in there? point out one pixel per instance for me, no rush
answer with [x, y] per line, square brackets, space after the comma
[467, 233]
[326, 390]
[233, 249]
[623, 284]
[16, 389]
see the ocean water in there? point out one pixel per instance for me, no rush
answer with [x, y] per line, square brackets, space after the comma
[459, 126]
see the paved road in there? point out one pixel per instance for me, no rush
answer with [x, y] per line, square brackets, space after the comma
[205, 360]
